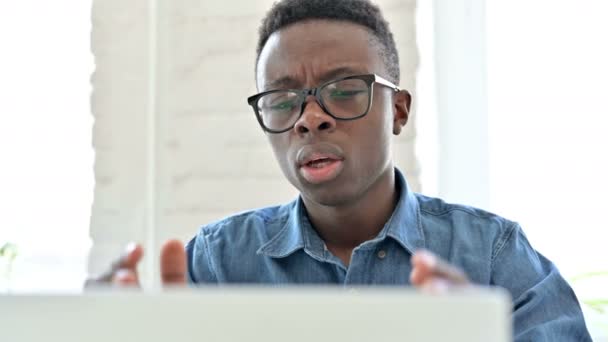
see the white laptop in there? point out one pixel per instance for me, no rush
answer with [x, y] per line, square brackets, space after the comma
[258, 314]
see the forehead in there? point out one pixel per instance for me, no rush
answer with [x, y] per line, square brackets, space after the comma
[306, 53]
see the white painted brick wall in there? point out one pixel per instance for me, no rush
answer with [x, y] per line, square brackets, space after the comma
[118, 101]
[212, 158]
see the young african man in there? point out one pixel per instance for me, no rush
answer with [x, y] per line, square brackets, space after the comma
[327, 72]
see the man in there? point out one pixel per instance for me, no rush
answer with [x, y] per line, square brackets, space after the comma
[327, 72]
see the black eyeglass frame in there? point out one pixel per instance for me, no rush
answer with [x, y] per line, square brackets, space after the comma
[369, 79]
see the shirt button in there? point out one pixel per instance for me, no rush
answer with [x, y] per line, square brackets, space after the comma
[381, 254]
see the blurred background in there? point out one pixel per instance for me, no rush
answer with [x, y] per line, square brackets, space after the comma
[126, 121]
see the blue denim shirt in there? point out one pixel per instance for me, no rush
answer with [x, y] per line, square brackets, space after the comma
[278, 245]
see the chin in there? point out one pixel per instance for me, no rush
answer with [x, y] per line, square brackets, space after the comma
[329, 196]
[333, 193]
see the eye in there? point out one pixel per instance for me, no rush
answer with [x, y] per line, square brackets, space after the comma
[278, 102]
[284, 105]
[345, 93]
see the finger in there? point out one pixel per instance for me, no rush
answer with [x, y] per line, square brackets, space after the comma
[173, 263]
[435, 286]
[422, 267]
[449, 272]
[128, 260]
[427, 265]
[125, 278]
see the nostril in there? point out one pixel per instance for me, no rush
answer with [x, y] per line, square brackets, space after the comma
[302, 129]
[324, 125]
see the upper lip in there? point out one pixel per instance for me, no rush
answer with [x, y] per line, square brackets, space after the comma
[309, 153]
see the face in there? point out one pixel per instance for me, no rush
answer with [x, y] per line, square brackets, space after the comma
[331, 162]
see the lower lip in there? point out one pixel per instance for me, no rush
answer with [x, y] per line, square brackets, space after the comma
[317, 175]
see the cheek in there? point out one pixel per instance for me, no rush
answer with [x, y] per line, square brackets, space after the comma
[378, 128]
[380, 121]
[385, 110]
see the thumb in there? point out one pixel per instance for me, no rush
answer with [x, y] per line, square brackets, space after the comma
[423, 263]
[173, 265]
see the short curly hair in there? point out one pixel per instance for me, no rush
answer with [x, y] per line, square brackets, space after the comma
[360, 12]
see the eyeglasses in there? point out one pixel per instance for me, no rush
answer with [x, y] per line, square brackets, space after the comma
[347, 98]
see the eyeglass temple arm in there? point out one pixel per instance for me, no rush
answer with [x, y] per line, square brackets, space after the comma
[387, 83]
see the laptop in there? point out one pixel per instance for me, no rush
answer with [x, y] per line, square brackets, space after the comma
[258, 314]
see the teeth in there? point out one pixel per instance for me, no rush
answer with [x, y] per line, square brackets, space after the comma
[319, 163]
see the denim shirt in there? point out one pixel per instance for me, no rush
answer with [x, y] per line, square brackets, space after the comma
[278, 245]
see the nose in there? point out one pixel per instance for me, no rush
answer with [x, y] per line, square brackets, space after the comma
[314, 119]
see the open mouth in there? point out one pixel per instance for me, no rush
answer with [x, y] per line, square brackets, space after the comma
[321, 170]
[320, 163]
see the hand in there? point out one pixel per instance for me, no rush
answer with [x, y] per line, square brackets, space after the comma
[434, 275]
[123, 272]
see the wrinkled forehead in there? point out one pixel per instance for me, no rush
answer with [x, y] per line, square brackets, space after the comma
[308, 53]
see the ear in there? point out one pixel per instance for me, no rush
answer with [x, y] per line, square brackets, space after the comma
[403, 102]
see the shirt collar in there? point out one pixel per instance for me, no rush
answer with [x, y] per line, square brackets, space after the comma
[404, 226]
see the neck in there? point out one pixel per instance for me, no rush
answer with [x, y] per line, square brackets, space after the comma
[346, 226]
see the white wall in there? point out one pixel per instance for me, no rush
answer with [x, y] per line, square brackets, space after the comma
[548, 117]
[460, 60]
[120, 105]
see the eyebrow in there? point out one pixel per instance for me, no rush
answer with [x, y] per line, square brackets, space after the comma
[287, 81]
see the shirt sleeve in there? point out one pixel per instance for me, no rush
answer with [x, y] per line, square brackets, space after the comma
[200, 270]
[545, 307]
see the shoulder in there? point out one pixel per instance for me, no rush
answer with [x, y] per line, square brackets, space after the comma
[465, 223]
[436, 208]
[252, 226]
[234, 240]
